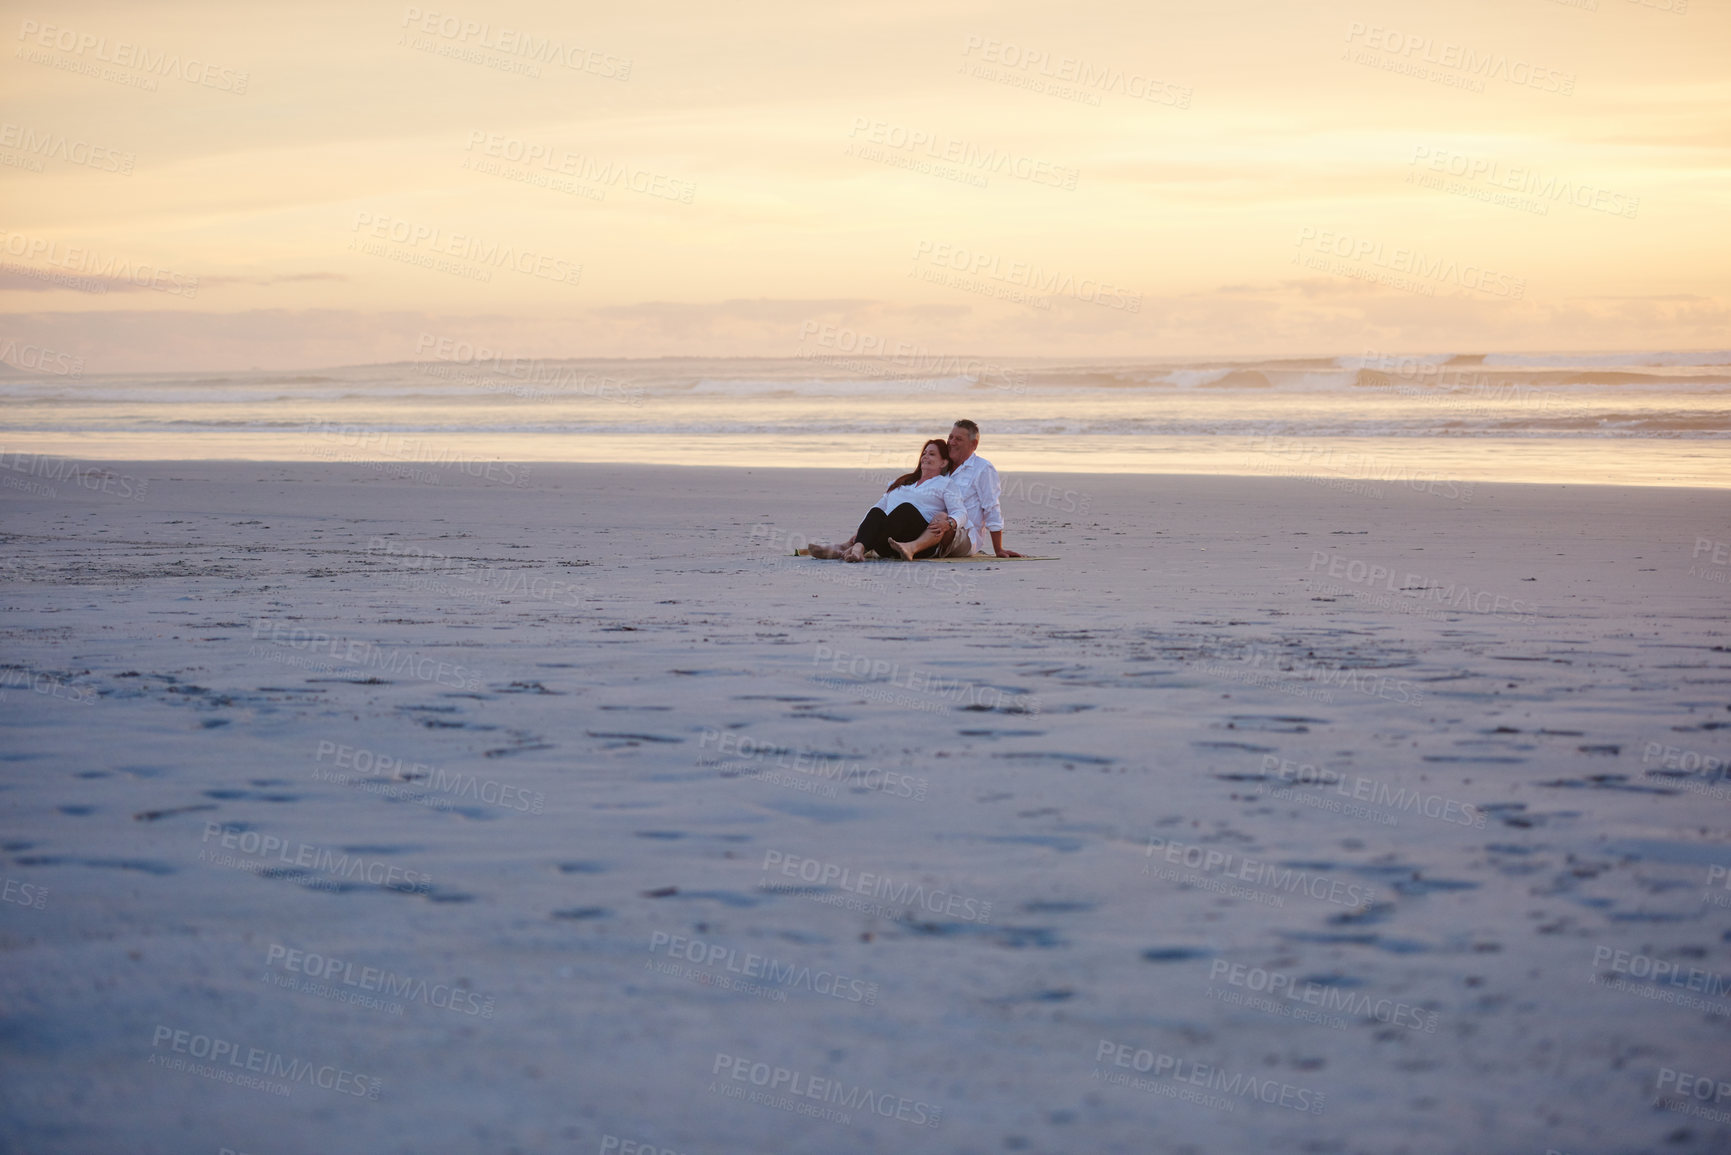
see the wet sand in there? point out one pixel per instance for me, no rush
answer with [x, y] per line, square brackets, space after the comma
[562, 809]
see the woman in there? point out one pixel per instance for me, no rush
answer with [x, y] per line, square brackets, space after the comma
[897, 525]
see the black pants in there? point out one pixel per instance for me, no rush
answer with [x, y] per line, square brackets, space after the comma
[904, 523]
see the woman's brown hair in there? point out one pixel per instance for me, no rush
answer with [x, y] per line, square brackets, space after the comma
[910, 478]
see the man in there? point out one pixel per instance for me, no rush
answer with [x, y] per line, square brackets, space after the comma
[975, 481]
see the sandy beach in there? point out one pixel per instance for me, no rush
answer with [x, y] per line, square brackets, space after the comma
[537, 808]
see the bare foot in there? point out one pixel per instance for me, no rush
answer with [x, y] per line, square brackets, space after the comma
[855, 552]
[823, 550]
[904, 549]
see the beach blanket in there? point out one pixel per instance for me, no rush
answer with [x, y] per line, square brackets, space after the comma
[978, 557]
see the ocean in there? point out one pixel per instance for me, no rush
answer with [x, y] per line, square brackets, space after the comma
[1361, 421]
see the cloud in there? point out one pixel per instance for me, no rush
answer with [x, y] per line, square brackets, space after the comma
[274, 279]
[1321, 316]
[23, 279]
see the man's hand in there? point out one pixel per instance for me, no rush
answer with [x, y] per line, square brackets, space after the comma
[1008, 553]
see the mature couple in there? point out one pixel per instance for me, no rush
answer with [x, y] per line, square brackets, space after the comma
[946, 507]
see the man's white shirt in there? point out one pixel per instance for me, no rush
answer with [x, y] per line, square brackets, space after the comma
[975, 482]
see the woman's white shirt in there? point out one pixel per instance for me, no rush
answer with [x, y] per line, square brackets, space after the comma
[930, 497]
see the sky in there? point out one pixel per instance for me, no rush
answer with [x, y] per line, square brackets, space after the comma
[219, 186]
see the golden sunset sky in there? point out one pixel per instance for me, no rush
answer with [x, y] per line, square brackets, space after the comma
[225, 185]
